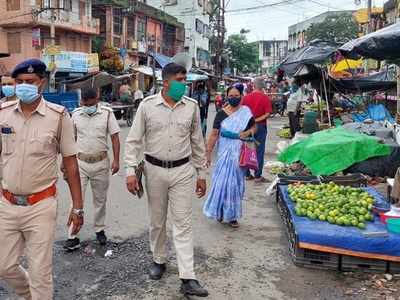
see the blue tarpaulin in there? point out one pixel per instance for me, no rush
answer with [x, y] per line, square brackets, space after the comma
[376, 112]
[161, 59]
[349, 238]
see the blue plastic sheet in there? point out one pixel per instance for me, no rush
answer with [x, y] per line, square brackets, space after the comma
[350, 238]
[375, 112]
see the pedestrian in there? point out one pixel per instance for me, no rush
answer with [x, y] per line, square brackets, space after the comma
[33, 132]
[224, 202]
[125, 93]
[203, 99]
[93, 124]
[8, 88]
[296, 98]
[167, 126]
[261, 107]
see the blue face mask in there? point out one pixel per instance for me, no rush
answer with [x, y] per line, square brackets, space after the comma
[90, 110]
[8, 90]
[27, 93]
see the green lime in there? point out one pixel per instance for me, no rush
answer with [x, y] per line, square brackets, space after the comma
[322, 218]
[361, 225]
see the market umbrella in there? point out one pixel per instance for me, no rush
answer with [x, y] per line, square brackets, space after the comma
[315, 53]
[380, 45]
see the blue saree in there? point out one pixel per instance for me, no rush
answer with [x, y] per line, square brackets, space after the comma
[224, 202]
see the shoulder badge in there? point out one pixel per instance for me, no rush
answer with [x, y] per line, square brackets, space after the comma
[8, 104]
[55, 107]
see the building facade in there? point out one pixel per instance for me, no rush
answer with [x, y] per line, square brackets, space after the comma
[25, 31]
[297, 32]
[138, 29]
[195, 15]
[272, 52]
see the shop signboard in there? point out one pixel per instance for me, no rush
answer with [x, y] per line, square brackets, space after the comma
[73, 62]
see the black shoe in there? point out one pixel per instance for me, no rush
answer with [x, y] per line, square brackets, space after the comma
[72, 244]
[191, 287]
[101, 238]
[156, 271]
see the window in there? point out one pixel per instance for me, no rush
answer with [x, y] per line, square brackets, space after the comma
[67, 5]
[13, 5]
[14, 42]
[141, 30]
[199, 26]
[206, 30]
[266, 49]
[131, 27]
[117, 20]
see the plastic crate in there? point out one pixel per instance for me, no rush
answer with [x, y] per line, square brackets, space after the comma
[286, 180]
[354, 180]
[394, 267]
[354, 263]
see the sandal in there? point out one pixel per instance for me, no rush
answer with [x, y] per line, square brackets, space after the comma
[261, 180]
[234, 224]
[250, 177]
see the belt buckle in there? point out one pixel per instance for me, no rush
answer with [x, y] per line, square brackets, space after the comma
[21, 200]
[167, 164]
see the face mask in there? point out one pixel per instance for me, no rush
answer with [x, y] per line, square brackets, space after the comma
[234, 101]
[90, 110]
[8, 90]
[176, 90]
[27, 93]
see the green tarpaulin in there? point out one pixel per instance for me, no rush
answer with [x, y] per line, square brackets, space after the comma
[330, 151]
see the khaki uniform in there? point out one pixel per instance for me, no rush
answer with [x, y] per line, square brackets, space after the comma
[29, 150]
[169, 134]
[92, 139]
[7, 99]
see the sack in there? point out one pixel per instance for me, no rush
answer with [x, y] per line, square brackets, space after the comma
[248, 156]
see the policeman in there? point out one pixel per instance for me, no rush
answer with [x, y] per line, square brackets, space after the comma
[93, 123]
[167, 127]
[8, 89]
[33, 132]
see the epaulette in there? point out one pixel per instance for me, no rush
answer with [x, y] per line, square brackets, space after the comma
[8, 104]
[55, 107]
[149, 98]
[107, 108]
[190, 99]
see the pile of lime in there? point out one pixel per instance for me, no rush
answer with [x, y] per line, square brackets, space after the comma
[329, 202]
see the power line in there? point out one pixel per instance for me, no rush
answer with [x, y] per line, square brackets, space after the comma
[262, 6]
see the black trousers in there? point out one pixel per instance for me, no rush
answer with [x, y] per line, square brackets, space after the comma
[294, 123]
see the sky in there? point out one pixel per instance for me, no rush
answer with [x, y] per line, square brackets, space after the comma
[273, 22]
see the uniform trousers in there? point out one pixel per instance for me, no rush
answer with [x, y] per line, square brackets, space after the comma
[173, 188]
[29, 230]
[98, 175]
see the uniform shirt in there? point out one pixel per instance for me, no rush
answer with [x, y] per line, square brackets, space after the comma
[92, 130]
[259, 104]
[166, 133]
[30, 146]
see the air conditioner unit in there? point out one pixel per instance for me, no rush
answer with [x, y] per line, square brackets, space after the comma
[169, 2]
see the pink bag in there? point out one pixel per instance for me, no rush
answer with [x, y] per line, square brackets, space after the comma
[248, 156]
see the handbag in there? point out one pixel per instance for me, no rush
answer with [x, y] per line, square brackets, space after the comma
[248, 156]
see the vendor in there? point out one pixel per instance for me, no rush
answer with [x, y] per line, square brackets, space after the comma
[294, 105]
[395, 193]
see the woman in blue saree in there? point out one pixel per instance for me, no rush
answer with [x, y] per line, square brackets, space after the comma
[231, 125]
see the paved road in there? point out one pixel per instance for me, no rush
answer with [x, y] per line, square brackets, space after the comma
[251, 262]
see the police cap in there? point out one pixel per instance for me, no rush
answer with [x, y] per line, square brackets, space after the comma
[29, 66]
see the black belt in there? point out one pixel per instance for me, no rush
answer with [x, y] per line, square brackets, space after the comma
[166, 164]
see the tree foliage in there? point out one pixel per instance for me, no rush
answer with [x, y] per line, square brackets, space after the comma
[243, 55]
[334, 29]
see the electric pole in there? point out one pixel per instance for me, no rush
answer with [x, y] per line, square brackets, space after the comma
[220, 39]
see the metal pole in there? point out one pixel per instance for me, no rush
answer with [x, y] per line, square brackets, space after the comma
[52, 56]
[398, 67]
[369, 29]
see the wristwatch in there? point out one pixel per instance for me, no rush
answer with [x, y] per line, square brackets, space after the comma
[78, 211]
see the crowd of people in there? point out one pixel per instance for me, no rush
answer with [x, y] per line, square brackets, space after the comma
[166, 143]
